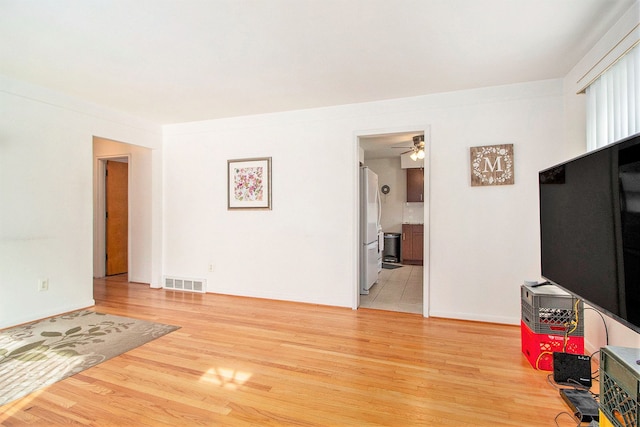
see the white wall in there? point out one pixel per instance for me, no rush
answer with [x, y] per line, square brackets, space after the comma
[46, 197]
[484, 241]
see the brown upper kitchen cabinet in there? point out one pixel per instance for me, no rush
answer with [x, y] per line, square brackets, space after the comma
[415, 185]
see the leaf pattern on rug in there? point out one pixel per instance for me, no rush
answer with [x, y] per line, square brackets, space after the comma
[62, 343]
[41, 353]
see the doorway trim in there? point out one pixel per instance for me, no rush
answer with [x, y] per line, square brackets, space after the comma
[426, 129]
[99, 263]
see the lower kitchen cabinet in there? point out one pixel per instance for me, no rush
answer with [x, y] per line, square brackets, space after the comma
[412, 244]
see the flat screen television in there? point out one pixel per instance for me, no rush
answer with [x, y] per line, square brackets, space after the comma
[590, 228]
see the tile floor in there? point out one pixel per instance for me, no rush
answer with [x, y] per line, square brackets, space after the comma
[399, 289]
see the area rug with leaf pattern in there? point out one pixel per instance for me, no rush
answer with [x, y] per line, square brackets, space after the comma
[38, 354]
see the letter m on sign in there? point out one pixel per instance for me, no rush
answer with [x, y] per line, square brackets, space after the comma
[490, 167]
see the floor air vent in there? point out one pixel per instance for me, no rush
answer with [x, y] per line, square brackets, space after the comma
[182, 284]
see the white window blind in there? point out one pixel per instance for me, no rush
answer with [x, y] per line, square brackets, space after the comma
[613, 102]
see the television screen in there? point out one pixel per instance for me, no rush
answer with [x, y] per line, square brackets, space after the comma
[590, 228]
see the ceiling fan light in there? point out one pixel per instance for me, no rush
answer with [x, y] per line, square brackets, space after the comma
[414, 156]
[420, 154]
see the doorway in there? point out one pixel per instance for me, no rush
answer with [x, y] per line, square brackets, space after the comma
[402, 286]
[112, 212]
[141, 215]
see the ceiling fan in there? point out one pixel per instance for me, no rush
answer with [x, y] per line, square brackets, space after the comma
[417, 151]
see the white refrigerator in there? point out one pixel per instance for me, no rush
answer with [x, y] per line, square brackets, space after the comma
[371, 236]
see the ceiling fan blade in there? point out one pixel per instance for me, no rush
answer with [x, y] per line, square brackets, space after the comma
[406, 152]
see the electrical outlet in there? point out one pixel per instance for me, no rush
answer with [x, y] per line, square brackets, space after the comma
[211, 267]
[43, 285]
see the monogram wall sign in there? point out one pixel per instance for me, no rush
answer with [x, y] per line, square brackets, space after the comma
[492, 165]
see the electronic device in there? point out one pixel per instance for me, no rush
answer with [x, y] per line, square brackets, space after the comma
[572, 369]
[582, 404]
[541, 284]
[590, 228]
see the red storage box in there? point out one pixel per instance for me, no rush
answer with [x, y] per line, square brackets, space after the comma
[538, 348]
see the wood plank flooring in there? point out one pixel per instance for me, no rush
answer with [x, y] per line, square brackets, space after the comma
[251, 362]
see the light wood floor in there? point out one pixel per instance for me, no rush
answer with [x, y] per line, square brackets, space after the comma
[250, 362]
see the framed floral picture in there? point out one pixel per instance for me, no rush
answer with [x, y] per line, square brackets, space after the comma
[249, 183]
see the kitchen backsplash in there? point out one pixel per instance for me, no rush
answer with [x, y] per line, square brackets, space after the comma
[413, 213]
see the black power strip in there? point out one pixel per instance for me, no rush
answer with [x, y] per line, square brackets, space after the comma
[581, 403]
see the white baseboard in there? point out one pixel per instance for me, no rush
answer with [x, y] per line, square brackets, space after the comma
[476, 317]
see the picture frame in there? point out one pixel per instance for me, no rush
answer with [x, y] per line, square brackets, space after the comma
[249, 183]
[492, 165]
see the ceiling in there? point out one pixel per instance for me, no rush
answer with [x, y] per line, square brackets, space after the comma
[172, 61]
[387, 145]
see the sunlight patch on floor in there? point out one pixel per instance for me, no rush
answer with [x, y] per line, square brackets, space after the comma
[228, 378]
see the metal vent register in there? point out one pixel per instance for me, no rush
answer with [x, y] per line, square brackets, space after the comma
[185, 284]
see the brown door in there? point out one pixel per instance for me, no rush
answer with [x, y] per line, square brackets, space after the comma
[117, 222]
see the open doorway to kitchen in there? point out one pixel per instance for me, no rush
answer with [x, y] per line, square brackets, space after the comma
[402, 187]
